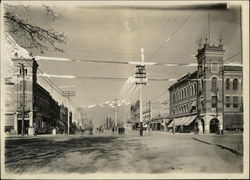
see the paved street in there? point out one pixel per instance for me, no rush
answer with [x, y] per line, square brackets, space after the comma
[104, 152]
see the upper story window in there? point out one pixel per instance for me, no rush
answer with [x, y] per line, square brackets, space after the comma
[227, 84]
[235, 101]
[191, 90]
[228, 99]
[21, 85]
[235, 84]
[214, 101]
[214, 84]
[195, 88]
[25, 71]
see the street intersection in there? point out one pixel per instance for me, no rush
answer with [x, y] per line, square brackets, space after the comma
[111, 153]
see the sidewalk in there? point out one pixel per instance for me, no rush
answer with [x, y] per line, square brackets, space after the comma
[231, 142]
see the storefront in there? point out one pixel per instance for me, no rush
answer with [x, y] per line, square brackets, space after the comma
[183, 124]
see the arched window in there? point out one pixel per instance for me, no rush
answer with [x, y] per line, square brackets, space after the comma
[227, 84]
[184, 93]
[214, 84]
[235, 84]
[194, 92]
[191, 90]
[25, 71]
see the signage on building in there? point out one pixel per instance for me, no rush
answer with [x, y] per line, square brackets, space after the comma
[25, 116]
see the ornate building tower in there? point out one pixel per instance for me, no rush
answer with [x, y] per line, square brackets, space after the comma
[24, 87]
[210, 87]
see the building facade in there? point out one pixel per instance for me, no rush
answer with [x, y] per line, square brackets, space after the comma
[41, 111]
[183, 97]
[135, 115]
[210, 99]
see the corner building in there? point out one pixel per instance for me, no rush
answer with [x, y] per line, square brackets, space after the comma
[41, 111]
[210, 99]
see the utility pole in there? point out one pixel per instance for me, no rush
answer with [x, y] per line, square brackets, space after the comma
[116, 106]
[68, 94]
[23, 110]
[174, 121]
[149, 108]
[209, 38]
[108, 121]
[140, 76]
[141, 112]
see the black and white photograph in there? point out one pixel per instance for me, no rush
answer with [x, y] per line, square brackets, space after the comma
[124, 89]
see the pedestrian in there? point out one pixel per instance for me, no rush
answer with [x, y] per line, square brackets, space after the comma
[149, 130]
[35, 131]
[113, 129]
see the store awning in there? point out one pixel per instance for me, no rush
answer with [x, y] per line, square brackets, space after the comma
[176, 121]
[194, 104]
[61, 123]
[184, 121]
[189, 120]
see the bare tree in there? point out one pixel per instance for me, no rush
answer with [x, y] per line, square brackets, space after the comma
[29, 34]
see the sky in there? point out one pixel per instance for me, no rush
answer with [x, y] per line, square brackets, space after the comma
[168, 34]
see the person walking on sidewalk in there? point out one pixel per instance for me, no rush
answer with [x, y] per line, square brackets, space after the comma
[149, 131]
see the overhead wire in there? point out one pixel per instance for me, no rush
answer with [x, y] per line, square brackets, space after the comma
[171, 35]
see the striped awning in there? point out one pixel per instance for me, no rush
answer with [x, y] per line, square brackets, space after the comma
[61, 123]
[189, 120]
[184, 121]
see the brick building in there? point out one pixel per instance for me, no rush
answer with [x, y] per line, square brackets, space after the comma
[42, 112]
[210, 99]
